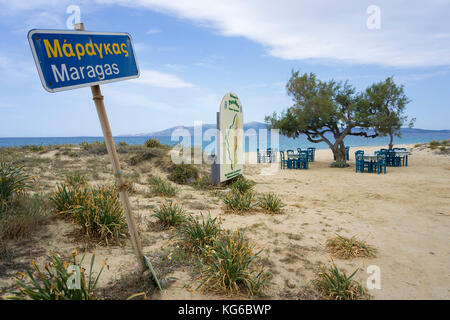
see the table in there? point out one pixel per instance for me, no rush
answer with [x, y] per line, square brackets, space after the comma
[371, 158]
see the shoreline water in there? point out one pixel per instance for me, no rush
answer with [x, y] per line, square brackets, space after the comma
[251, 142]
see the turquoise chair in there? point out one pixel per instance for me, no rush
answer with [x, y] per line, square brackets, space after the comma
[283, 161]
[380, 165]
[302, 160]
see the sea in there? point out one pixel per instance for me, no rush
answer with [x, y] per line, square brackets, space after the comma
[252, 143]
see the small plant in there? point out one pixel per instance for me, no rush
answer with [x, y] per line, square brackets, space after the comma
[434, 144]
[238, 202]
[242, 185]
[153, 143]
[196, 234]
[22, 216]
[13, 180]
[347, 248]
[232, 269]
[54, 280]
[100, 215]
[334, 284]
[170, 214]
[66, 197]
[122, 144]
[76, 179]
[183, 173]
[96, 147]
[270, 203]
[160, 187]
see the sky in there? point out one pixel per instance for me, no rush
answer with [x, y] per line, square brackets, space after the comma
[192, 52]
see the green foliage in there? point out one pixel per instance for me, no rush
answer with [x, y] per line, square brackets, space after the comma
[238, 202]
[22, 216]
[334, 284]
[242, 185]
[13, 180]
[388, 103]
[97, 210]
[338, 110]
[96, 147]
[197, 234]
[50, 282]
[183, 173]
[67, 197]
[161, 187]
[170, 214]
[100, 215]
[271, 203]
[232, 267]
[153, 143]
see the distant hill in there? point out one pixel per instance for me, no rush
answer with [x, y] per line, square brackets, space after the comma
[168, 132]
[251, 125]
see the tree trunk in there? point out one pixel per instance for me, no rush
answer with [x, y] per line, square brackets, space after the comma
[391, 136]
[339, 152]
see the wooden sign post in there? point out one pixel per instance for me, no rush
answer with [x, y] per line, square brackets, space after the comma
[121, 186]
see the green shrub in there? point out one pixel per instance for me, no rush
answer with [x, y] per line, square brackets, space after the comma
[434, 143]
[242, 185]
[334, 284]
[97, 210]
[22, 216]
[183, 173]
[51, 282]
[153, 143]
[96, 147]
[13, 180]
[270, 203]
[238, 202]
[161, 187]
[197, 234]
[66, 197]
[100, 215]
[232, 269]
[122, 144]
[170, 214]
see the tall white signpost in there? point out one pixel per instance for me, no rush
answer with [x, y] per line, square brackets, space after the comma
[230, 141]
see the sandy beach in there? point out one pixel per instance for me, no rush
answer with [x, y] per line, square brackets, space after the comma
[404, 214]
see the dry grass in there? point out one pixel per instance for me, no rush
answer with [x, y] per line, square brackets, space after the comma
[348, 248]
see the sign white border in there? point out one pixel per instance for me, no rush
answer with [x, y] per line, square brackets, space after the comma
[89, 84]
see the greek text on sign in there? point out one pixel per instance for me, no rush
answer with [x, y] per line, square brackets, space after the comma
[73, 59]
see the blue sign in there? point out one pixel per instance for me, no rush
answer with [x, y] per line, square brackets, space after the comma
[72, 59]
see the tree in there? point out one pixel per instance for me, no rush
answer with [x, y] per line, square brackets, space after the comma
[325, 112]
[389, 101]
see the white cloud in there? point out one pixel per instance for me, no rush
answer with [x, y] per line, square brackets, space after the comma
[410, 32]
[153, 31]
[160, 79]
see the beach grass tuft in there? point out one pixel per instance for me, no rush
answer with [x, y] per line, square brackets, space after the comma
[270, 203]
[52, 281]
[232, 269]
[347, 248]
[161, 187]
[170, 214]
[199, 233]
[333, 283]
